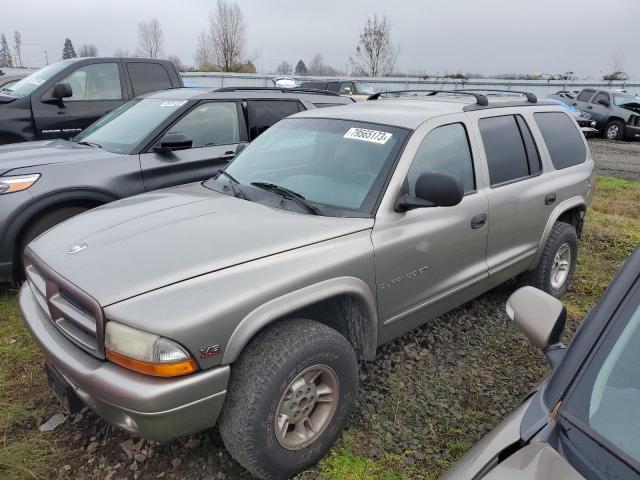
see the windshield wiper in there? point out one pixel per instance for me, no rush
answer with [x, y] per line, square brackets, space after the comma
[288, 194]
[234, 184]
[89, 144]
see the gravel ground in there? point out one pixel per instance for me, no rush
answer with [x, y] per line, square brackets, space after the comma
[616, 159]
[470, 365]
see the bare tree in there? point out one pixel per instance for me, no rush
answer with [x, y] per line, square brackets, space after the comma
[616, 70]
[17, 46]
[224, 44]
[88, 50]
[150, 38]
[375, 50]
[284, 68]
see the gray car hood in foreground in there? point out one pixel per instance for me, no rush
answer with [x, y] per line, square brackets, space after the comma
[145, 242]
[45, 152]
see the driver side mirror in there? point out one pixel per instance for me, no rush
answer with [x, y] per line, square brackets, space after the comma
[61, 90]
[174, 141]
[604, 102]
[432, 190]
[541, 317]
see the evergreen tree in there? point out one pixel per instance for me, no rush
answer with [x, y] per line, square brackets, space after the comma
[68, 51]
[5, 53]
[301, 69]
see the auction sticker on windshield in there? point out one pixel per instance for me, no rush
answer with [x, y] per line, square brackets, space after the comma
[173, 103]
[367, 135]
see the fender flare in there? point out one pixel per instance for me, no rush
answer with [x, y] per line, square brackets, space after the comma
[562, 207]
[269, 312]
[21, 218]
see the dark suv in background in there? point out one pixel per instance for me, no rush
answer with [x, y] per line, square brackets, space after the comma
[62, 99]
[158, 140]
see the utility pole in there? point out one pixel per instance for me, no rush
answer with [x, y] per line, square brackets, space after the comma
[46, 56]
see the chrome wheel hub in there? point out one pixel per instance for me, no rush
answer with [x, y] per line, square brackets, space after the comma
[612, 132]
[306, 407]
[561, 266]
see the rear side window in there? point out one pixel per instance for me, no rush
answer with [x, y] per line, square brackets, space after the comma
[148, 77]
[585, 95]
[509, 147]
[563, 139]
[265, 113]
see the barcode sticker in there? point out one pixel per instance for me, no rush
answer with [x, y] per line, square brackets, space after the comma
[367, 135]
[173, 103]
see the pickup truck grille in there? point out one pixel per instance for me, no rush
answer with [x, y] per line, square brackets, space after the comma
[74, 313]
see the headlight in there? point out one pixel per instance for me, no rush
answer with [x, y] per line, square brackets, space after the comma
[145, 352]
[18, 183]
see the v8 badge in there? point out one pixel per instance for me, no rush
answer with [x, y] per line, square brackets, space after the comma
[210, 351]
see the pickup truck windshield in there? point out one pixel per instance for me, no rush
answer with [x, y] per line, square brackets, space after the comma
[123, 129]
[621, 101]
[339, 166]
[29, 84]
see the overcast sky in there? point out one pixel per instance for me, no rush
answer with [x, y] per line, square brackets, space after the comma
[485, 36]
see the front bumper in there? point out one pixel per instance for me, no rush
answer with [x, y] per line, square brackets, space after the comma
[154, 408]
[631, 132]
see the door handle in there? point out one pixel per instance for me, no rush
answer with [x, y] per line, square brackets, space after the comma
[574, 104]
[590, 107]
[478, 221]
[550, 199]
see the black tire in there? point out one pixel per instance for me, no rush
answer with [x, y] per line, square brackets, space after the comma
[614, 130]
[561, 234]
[44, 223]
[260, 378]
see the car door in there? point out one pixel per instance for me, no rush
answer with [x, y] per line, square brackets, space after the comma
[582, 100]
[97, 89]
[428, 260]
[521, 197]
[599, 112]
[216, 129]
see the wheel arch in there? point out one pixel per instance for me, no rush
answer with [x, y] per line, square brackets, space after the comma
[570, 211]
[22, 220]
[348, 303]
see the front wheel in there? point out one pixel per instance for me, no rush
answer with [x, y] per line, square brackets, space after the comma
[614, 130]
[290, 395]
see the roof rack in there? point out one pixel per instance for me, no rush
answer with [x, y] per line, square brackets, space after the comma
[531, 98]
[480, 99]
[277, 89]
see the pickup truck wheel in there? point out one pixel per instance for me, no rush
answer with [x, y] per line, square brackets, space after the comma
[44, 223]
[558, 262]
[289, 397]
[614, 130]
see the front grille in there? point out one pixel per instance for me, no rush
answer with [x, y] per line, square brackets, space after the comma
[74, 313]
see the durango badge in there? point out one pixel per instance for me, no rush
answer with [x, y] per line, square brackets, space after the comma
[77, 248]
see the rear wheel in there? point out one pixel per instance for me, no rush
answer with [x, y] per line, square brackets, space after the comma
[44, 223]
[558, 262]
[614, 130]
[290, 395]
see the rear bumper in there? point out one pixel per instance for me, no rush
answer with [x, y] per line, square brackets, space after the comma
[153, 408]
[632, 133]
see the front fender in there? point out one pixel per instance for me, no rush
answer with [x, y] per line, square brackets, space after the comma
[281, 306]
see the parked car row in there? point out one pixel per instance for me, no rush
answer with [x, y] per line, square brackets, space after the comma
[247, 299]
[616, 112]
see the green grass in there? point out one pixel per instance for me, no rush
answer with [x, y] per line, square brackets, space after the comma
[612, 230]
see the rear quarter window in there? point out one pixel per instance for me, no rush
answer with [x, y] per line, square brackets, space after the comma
[564, 141]
[148, 77]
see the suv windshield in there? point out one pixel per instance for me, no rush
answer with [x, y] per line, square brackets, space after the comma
[622, 101]
[365, 89]
[340, 166]
[33, 81]
[123, 129]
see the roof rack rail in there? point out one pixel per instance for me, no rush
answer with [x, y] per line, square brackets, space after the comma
[480, 99]
[277, 89]
[531, 98]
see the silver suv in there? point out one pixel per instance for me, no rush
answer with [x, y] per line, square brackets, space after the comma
[248, 299]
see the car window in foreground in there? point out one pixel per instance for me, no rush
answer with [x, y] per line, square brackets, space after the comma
[605, 401]
[339, 165]
[123, 129]
[212, 123]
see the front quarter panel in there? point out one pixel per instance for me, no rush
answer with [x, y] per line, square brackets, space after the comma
[211, 310]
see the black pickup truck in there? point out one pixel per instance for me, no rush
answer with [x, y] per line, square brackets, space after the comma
[63, 98]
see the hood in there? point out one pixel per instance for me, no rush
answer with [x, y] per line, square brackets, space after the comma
[46, 152]
[634, 107]
[148, 241]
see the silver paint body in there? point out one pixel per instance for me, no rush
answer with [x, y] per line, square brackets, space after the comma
[203, 268]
